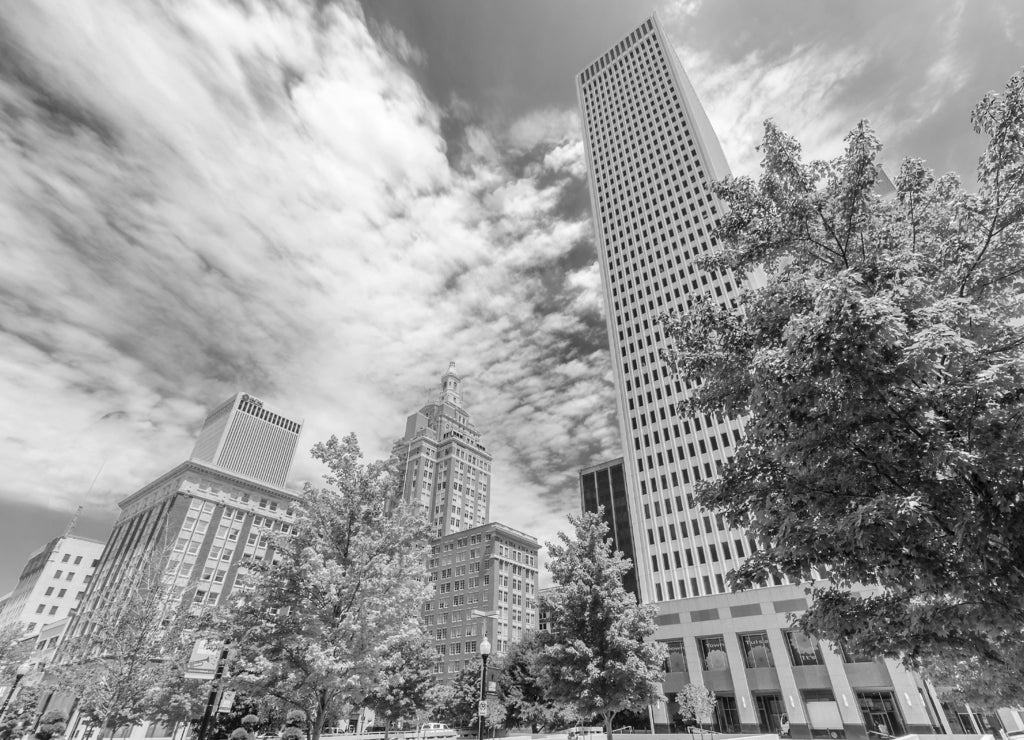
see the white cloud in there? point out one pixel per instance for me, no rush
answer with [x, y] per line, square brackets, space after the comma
[223, 196]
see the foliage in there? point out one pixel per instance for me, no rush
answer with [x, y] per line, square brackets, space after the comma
[239, 733]
[598, 656]
[880, 373]
[20, 713]
[294, 726]
[525, 701]
[456, 704]
[14, 649]
[317, 624]
[52, 723]
[696, 704]
[406, 676]
[137, 649]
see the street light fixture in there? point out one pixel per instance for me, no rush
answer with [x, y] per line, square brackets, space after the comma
[485, 650]
[19, 673]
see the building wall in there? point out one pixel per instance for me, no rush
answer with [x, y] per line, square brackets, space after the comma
[604, 485]
[198, 526]
[492, 568]
[52, 583]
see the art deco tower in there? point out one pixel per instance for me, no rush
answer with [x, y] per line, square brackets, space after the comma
[446, 469]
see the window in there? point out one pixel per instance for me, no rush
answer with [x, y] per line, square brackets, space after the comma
[40, 609]
[676, 660]
[49, 591]
[66, 558]
[58, 574]
[712, 653]
[803, 649]
[60, 594]
[852, 656]
[757, 653]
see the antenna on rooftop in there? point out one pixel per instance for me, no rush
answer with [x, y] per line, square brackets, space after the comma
[73, 523]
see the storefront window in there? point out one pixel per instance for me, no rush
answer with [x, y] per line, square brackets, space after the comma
[756, 651]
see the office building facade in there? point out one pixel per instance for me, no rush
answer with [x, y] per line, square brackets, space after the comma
[244, 435]
[603, 487]
[199, 524]
[485, 582]
[52, 584]
[652, 160]
[446, 470]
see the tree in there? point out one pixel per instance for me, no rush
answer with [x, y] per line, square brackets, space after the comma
[598, 656]
[696, 705]
[21, 711]
[525, 701]
[316, 625]
[880, 374]
[406, 677]
[52, 723]
[456, 704]
[138, 646]
[14, 649]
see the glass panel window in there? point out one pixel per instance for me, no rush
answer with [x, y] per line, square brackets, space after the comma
[803, 649]
[676, 660]
[854, 656]
[712, 653]
[756, 651]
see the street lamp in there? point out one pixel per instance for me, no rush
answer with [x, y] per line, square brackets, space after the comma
[19, 673]
[485, 650]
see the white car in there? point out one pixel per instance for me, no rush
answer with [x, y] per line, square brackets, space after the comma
[435, 731]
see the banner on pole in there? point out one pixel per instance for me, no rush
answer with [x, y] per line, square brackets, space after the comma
[202, 663]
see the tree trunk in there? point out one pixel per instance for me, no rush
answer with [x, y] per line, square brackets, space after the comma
[608, 717]
[318, 724]
[387, 729]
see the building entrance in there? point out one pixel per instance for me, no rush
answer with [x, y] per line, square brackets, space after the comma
[769, 711]
[881, 714]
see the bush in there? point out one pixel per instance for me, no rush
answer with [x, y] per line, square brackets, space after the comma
[239, 734]
[250, 721]
[51, 724]
[295, 726]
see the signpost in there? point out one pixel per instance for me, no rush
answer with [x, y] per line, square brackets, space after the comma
[482, 708]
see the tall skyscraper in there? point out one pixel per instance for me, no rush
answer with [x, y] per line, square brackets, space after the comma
[652, 158]
[246, 436]
[604, 485]
[447, 471]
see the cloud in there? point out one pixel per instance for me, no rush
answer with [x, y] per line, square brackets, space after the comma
[213, 196]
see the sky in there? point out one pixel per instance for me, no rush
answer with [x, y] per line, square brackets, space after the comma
[323, 203]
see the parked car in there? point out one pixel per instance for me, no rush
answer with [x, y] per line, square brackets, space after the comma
[435, 731]
[586, 733]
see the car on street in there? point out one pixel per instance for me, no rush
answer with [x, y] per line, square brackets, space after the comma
[435, 731]
[586, 733]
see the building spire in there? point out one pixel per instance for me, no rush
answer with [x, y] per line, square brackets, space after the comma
[450, 383]
[73, 523]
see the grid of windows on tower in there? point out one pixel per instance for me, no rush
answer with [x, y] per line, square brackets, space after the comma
[655, 211]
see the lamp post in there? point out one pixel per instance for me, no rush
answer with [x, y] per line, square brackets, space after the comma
[485, 650]
[19, 673]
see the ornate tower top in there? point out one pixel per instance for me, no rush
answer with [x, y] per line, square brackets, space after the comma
[450, 387]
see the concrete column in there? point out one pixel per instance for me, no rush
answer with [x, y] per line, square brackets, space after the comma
[909, 699]
[744, 702]
[845, 696]
[791, 699]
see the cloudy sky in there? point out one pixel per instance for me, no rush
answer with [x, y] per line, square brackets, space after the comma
[323, 203]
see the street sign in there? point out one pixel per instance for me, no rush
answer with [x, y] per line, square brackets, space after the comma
[227, 699]
[482, 711]
[202, 664]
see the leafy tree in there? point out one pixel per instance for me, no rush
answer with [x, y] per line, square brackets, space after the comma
[696, 705]
[137, 648]
[407, 675]
[880, 373]
[14, 649]
[52, 723]
[315, 628]
[456, 704]
[21, 712]
[525, 701]
[598, 656]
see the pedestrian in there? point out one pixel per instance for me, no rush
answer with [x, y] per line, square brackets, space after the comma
[784, 726]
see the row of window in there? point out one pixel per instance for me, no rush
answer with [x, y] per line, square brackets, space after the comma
[756, 652]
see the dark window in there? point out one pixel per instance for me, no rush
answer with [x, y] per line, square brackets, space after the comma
[803, 648]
